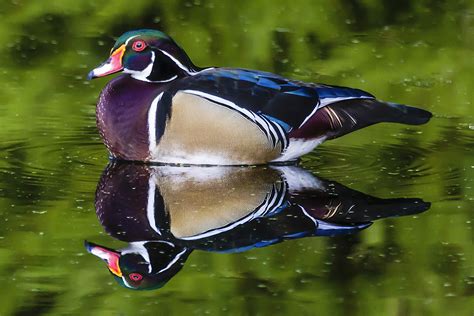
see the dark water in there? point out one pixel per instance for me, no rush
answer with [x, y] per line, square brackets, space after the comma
[410, 261]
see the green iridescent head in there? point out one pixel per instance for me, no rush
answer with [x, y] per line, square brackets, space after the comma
[147, 55]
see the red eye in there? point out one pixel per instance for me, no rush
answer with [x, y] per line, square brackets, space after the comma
[138, 46]
[135, 276]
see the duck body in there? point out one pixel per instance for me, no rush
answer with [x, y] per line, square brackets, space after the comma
[173, 112]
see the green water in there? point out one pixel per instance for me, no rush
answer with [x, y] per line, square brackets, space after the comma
[419, 53]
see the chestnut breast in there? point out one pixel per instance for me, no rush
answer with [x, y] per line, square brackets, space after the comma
[121, 115]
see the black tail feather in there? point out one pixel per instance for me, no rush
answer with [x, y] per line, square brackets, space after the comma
[407, 114]
[350, 115]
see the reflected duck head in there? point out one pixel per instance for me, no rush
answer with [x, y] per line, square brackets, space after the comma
[142, 265]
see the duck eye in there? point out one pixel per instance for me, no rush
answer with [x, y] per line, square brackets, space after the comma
[138, 46]
[135, 276]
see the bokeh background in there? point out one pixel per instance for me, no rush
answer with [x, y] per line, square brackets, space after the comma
[413, 52]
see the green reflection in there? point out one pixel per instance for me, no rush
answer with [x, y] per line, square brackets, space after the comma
[418, 53]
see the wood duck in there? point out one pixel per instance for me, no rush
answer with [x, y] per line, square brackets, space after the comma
[165, 109]
[166, 212]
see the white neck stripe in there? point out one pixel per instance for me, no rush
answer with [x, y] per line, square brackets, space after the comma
[142, 74]
[138, 247]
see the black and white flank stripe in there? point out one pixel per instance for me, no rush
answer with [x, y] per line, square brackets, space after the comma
[272, 130]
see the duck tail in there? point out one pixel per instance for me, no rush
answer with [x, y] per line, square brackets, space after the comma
[350, 115]
[400, 113]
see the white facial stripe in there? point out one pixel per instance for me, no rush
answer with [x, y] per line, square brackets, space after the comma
[129, 39]
[138, 247]
[126, 283]
[145, 73]
[142, 74]
[180, 65]
[172, 261]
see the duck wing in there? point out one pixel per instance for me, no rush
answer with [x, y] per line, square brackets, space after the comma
[304, 110]
[288, 102]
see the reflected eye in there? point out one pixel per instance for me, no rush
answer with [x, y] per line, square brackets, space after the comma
[135, 276]
[138, 46]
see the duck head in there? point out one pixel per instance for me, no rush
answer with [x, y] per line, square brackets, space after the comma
[147, 55]
[142, 265]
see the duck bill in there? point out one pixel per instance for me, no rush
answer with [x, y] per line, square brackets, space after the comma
[110, 66]
[111, 257]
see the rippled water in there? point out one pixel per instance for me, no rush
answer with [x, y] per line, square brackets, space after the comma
[52, 159]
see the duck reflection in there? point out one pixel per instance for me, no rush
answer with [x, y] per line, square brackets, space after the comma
[166, 212]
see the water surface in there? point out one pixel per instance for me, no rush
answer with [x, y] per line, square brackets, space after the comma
[52, 158]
